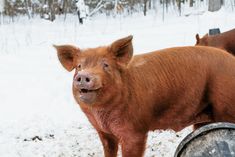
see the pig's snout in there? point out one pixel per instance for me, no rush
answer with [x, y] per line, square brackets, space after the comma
[88, 85]
[84, 80]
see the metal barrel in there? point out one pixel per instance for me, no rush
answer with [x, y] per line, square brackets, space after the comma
[213, 140]
[214, 31]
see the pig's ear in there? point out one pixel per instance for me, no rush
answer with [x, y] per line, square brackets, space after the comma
[197, 38]
[67, 55]
[122, 50]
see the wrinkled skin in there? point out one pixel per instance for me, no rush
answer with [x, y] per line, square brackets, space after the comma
[125, 96]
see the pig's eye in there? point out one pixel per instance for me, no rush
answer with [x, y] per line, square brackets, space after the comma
[105, 65]
[79, 66]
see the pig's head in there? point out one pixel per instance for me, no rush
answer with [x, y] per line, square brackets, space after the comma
[202, 41]
[98, 71]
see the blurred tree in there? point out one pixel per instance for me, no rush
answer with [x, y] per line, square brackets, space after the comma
[28, 8]
[145, 7]
[48, 9]
[2, 4]
[179, 5]
[214, 5]
[191, 3]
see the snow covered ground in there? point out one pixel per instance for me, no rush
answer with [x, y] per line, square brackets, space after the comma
[38, 115]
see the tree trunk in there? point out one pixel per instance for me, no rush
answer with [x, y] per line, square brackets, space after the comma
[115, 7]
[167, 5]
[214, 5]
[191, 3]
[27, 8]
[145, 7]
[179, 6]
[2, 4]
[163, 10]
[154, 4]
[222, 2]
[51, 10]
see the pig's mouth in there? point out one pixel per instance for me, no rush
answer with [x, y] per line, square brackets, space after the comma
[84, 91]
[88, 96]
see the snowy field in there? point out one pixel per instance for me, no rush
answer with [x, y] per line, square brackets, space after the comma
[38, 115]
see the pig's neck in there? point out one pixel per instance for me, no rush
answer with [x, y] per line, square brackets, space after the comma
[105, 117]
[108, 116]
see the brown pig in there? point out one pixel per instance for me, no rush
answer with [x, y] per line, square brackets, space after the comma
[224, 41]
[125, 96]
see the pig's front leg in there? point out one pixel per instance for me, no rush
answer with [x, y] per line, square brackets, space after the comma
[133, 145]
[110, 144]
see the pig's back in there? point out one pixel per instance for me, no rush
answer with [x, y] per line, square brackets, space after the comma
[193, 57]
[179, 67]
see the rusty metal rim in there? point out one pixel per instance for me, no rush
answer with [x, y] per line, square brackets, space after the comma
[201, 131]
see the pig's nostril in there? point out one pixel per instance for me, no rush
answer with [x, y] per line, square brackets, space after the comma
[79, 79]
[87, 79]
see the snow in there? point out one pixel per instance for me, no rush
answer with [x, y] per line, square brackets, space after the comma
[38, 115]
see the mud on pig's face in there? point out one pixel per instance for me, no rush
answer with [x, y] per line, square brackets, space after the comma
[97, 70]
